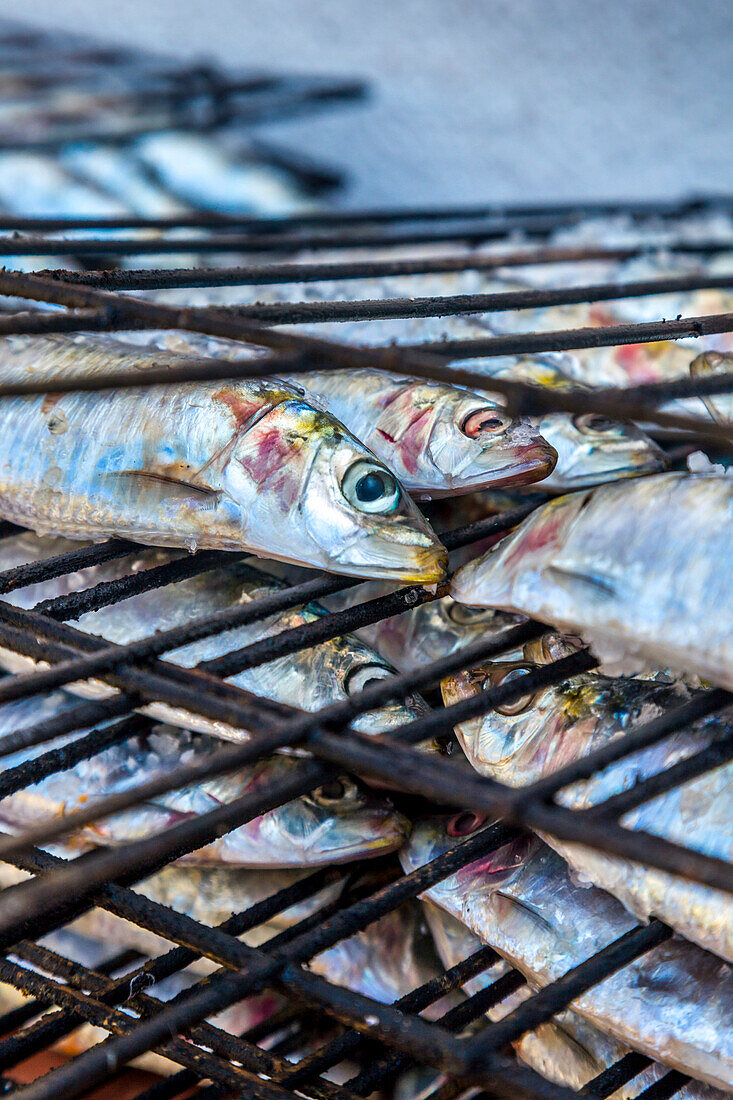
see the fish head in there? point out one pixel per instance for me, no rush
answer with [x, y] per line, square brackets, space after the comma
[512, 569]
[332, 502]
[335, 823]
[433, 837]
[454, 625]
[519, 741]
[342, 668]
[355, 666]
[524, 740]
[592, 448]
[473, 444]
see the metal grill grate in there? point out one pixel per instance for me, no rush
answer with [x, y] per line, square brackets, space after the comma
[383, 1040]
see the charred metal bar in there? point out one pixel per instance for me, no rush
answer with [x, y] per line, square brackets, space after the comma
[616, 1075]
[280, 242]
[83, 748]
[426, 361]
[80, 717]
[313, 271]
[350, 1042]
[667, 1086]
[456, 1019]
[71, 561]
[668, 209]
[41, 322]
[19, 1047]
[101, 595]
[453, 305]
[715, 755]
[559, 994]
[450, 784]
[98, 1013]
[75, 604]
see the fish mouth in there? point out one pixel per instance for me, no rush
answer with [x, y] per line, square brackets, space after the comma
[388, 719]
[379, 556]
[383, 833]
[532, 463]
[637, 466]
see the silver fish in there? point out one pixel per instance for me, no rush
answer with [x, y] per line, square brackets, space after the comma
[437, 439]
[606, 564]
[330, 672]
[524, 741]
[673, 1003]
[335, 823]
[591, 448]
[246, 465]
[567, 1049]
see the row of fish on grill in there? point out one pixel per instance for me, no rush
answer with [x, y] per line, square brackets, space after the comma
[325, 470]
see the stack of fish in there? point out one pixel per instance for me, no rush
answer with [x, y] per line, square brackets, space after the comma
[329, 470]
[328, 477]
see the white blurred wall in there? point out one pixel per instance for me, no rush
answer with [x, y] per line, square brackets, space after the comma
[475, 99]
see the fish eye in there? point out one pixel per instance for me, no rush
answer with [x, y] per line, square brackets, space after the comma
[591, 423]
[462, 615]
[465, 823]
[370, 488]
[488, 420]
[360, 677]
[524, 702]
[335, 793]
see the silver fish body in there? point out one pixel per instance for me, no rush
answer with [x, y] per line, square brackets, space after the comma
[530, 739]
[566, 1049]
[245, 465]
[330, 672]
[607, 564]
[333, 824]
[673, 1003]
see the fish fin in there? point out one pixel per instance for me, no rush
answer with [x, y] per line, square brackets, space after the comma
[568, 578]
[171, 485]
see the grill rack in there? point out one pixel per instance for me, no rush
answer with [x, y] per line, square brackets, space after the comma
[395, 1036]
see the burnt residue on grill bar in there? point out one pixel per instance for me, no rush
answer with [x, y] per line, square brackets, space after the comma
[382, 1040]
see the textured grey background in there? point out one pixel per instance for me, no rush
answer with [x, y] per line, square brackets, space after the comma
[475, 99]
